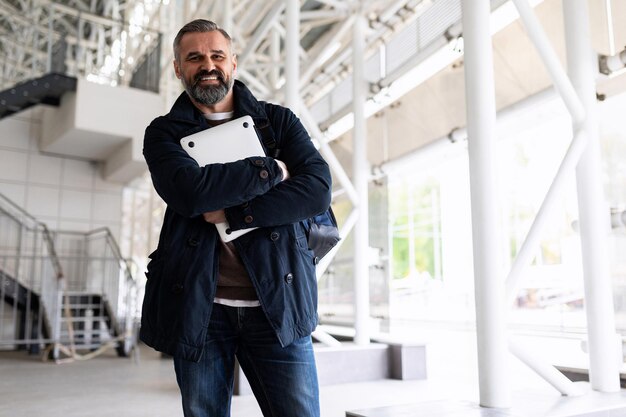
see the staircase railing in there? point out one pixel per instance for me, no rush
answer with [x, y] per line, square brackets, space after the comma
[30, 274]
[93, 264]
[62, 287]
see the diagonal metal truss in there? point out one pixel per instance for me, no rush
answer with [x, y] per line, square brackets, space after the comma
[102, 40]
[259, 30]
[107, 41]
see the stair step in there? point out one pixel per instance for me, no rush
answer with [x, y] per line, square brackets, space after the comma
[82, 346]
[82, 296]
[75, 319]
[83, 306]
[79, 292]
[102, 333]
[48, 88]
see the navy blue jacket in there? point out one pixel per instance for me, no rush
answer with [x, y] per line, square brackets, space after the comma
[182, 273]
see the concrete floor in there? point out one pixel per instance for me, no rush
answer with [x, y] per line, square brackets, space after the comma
[108, 386]
[145, 386]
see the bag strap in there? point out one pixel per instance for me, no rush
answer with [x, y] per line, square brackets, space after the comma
[267, 136]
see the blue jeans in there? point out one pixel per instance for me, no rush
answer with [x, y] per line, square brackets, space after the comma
[283, 379]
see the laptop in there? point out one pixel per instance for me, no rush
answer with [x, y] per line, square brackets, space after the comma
[228, 142]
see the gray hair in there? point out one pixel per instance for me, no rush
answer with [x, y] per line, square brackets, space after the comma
[198, 26]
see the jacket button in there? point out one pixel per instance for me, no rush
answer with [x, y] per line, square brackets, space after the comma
[316, 260]
[246, 204]
[264, 174]
[192, 242]
[274, 236]
[248, 219]
[177, 288]
[289, 278]
[259, 162]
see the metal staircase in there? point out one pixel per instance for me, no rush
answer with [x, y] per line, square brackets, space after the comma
[46, 89]
[63, 292]
[26, 303]
[89, 323]
[46, 46]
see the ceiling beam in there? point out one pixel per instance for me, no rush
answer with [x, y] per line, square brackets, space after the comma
[261, 31]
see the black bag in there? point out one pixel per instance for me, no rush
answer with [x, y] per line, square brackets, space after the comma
[322, 231]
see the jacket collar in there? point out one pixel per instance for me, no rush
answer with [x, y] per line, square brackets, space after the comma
[245, 105]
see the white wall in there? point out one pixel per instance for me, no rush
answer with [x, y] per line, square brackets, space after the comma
[65, 193]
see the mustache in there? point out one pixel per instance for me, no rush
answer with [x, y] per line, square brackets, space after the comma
[205, 73]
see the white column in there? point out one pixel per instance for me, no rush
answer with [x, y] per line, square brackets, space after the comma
[172, 84]
[50, 31]
[360, 177]
[489, 285]
[227, 24]
[187, 10]
[604, 359]
[410, 224]
[292, 55]
[275, 56]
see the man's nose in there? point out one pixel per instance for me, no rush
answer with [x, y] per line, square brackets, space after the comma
[208, 65]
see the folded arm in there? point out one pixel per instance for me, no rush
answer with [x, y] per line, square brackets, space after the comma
[306, 193]
[219, 216]
[191, 190]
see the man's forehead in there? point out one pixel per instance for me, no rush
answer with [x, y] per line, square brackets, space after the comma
[193, 51]
[212, 40]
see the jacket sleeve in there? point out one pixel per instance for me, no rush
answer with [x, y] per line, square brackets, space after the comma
[191, 190]
[305, 194]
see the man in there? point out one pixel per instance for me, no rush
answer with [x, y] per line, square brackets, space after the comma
[255, 298]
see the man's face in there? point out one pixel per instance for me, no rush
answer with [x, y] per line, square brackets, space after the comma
[206, 66]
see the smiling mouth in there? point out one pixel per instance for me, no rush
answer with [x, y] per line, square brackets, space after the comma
[208, 78]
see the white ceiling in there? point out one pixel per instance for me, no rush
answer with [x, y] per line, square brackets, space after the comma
[433, 109]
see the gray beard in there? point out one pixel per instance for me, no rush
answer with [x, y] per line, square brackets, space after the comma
[209, 95]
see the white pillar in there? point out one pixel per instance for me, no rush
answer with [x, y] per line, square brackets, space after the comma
[360, 177]
[228, 16]
[410, 209]
[187, 10]
[276, 61]
[604, 359]
[292, 55]
[172, 85]
[489, 285]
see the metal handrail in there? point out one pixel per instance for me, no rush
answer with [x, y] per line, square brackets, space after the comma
[52, 251]
[116, 251]
[18, 209]
[45, 231]
[90, 263]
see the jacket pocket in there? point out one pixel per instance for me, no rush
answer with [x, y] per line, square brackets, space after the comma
[151, 293]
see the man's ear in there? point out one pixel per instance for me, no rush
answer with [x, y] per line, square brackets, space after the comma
[234, 63]
[177, 69]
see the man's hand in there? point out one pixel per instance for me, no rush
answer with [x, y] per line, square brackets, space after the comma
[283, 168]
[217, 216]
